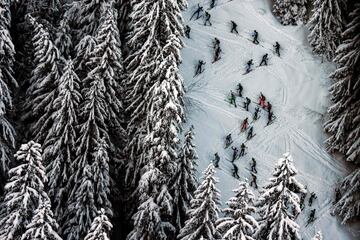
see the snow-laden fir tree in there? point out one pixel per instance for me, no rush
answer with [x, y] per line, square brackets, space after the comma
[184, 181]
[83, 50]
[43, 83]
[100, 228]
[326, 25]
[279, 204]
[23, 192]
[318, 236]
[238, 222]
[348, 207]
[290, 11]
[155, 202]
[7, 82]
[63, 39]
[60, 140]
[43, 225]
[204, 210]
[344, 114]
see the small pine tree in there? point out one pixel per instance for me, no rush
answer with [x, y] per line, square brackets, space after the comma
[23, 192]
[290, 11]
[326, 25]
[318, 236]
[204, 210]
[280, 204]
[238, 222]
[100, 228]
[184, 182]
[43, 225]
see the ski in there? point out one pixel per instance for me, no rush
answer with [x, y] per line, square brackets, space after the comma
[248, 71]
[248, 139]
[310, 222]
[228, 145]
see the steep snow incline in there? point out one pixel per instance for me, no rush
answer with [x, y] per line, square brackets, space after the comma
[296, 85]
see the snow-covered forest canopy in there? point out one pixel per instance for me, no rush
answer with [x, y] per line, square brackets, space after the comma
[96, 127]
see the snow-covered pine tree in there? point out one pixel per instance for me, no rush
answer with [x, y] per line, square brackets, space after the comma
[83, 50]
[344, 121]
[348, 207]
[60, 140]
[204, 210]
[318, 236]
[184, 182]
[63, 39]
[280, 204]
[43, 83]
[238, 222]
[326, 25]
[290, 11]
[23, 192]
[43, 225]
[100, 228]
[7, 81]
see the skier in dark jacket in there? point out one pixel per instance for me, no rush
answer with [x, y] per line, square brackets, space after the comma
[247, 103]
[232, 98]
[277, 48]
[255, 37]
[270, 118]
[228, 140]
[212, 4]
[216, 160]
[242, 151]
[248, 65]
[235, 153]
[197, 12]
[312, 198]
[207, 19]
[216, 43]
[199, 67]
[253, 165]
[311, 216]
[264, 60]
[234, 27]
[269, 106]
[244, 125]
[240, 89]
[253, 181]
[187, 31]
[235, 171]
[256, 113]
[217, 54]
[250, 133]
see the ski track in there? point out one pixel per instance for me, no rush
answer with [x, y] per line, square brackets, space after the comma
[295, 84]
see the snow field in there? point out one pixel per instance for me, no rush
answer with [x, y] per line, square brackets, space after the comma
[295, 84]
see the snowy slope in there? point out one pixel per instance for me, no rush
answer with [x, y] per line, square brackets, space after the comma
[296, 84]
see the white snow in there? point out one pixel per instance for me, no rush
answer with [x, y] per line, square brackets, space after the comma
[296, 85]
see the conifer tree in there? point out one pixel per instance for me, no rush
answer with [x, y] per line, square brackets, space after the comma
[344, 124]
[43, 225]
[326, 25]
[184, 182]
[83, 50]
[318, 236]
[204, 210]
[63, 39]
[23, 192]
[100, 228]
[280, 204]
[60, 140]
[238, 222]
[290, 11]
[43, 83]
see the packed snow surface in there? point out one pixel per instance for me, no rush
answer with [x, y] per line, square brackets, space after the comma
[296, 85]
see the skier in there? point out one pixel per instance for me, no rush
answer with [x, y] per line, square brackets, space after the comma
[228, 140]
[216, 43]
[232, 98]
[244, 125]
[256, 113]
[253, 165]
[250, 133]
[216, 160]
[234, 27]
[217, 54]
[253, 181]
[269, 106]
[197, 12]
[248, 65]
[199, 67]
[255, 37]
[212, 4]
[312, 198]
[270, 118]
[242, 151]
[235, 153]
[277, 48]
[302, 199]
[247, 103]
[337, 195]
[262, 100]
[187, 31]
[235, 171]
[311, 216]
[264, 60]
[240, 89]
[207, 19]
